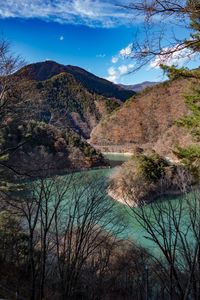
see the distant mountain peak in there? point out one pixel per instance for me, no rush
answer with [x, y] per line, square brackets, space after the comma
[139, 87]
[45, 70]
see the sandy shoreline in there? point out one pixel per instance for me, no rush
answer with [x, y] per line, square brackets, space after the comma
[121, 199]
[128, 202]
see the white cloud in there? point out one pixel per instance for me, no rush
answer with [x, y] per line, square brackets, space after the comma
[115, 59]
[112, 71]
[123, 69]
[115, 73]
[126, 52]
[123, 53]
[112, 78]
[112, 74]
[61, 38]
[103, 13]
[169, 58]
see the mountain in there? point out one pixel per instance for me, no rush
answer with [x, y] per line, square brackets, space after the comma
[57, 115]
[59, 99]
[45, 70]
[138, 87]
[146, 121]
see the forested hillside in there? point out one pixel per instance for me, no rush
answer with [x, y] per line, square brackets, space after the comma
[45, 70]
[50, 119]
[147, 121]
[59, 99]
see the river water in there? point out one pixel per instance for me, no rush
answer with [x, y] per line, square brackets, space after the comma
[133, 230]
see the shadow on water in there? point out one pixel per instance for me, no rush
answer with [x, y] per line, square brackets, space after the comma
[116, 159]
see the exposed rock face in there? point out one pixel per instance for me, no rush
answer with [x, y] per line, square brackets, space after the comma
[146, 121]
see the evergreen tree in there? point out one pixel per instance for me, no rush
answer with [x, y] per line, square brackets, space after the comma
[191, 154]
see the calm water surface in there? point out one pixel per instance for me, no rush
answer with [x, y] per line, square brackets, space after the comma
[134, 230]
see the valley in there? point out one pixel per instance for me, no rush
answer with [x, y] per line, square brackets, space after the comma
[100, 150]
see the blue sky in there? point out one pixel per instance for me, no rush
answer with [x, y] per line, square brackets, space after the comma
[93, 34]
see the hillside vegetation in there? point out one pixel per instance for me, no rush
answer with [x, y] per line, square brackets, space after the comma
[147, 177]
[45, 149]
[52, 115]
[147, 121]
[45, 70]
[61, 100]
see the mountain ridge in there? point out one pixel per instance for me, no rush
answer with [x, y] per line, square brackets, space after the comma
[41, 71]
[62, 112]
[139, 87]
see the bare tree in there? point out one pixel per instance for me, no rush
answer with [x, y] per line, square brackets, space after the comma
[9, 94]
[158, 17]
[11, 102]
[88, 223]
[67, 220]
[37, 208]
[173, 226]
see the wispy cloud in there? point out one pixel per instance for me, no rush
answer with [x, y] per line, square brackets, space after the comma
[115, 59]
[122, 64]
[123, 53]
[94, 13]
[101, 55]
[171, 56]
[127, 51]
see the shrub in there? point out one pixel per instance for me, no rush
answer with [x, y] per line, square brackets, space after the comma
[151, 166]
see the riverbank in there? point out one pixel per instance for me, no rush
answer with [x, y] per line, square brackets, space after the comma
[130, 148]
[125, 200]
[145, 178]
[118, 153]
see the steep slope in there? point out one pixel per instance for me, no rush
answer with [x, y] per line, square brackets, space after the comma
[146, 121]
[45, 70]
[62, 113]
[99, 85]
[63, 102]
